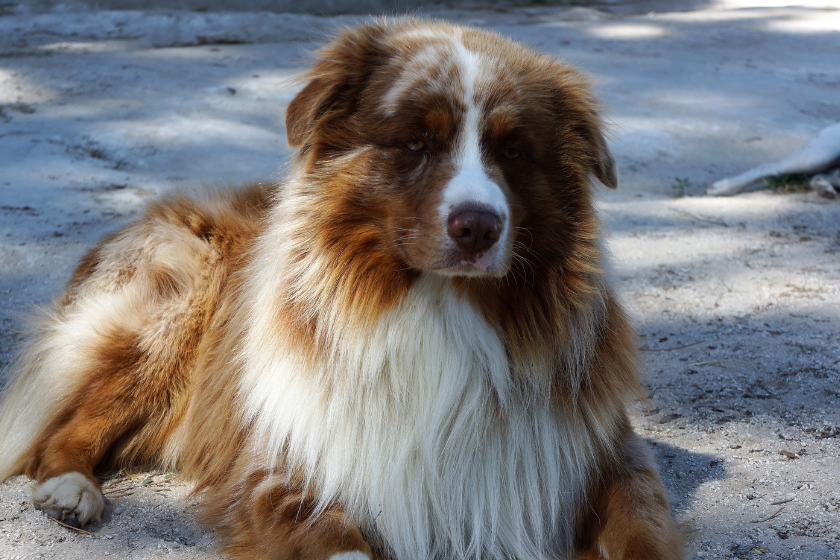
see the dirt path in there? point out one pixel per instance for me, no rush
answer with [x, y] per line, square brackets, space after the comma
[737, 300]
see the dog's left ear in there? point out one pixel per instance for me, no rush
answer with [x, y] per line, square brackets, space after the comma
[340, 72]
[603, 164]
[579, 114]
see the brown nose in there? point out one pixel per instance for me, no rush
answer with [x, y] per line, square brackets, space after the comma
[474, 228]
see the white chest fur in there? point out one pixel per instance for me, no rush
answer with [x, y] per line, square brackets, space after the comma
[419, 430]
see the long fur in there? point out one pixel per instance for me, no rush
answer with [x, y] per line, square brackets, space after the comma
[344, 377]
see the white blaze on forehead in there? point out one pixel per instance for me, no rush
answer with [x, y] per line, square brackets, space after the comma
[422, 33]
[471, 184]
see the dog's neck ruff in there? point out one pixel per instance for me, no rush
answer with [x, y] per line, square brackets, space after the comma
[418, 428]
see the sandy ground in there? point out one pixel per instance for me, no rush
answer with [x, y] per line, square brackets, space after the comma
[737, 299]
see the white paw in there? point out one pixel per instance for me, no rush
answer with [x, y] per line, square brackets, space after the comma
[355, 555]
[70, 498]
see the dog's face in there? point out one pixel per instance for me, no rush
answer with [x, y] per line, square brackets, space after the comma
[456, 152]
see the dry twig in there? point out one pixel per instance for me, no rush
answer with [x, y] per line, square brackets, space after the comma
[769, 517]
[75, 529]
[645, 349]
[708, 219]
[129, 493]
[760, 385]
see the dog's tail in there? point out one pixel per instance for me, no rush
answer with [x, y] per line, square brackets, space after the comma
[39, 387]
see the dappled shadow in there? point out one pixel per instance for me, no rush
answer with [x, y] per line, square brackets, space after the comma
[738, 304]
[683, 471]
[758, 367]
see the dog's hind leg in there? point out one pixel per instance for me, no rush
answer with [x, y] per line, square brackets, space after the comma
[107, 376]
[55, 423]
[118, 403]
[107, 389]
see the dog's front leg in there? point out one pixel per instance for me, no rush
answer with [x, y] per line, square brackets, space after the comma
[264, 517]
[631, 519]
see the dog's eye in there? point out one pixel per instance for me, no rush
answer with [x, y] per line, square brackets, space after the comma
[416, 145]
[511, 153]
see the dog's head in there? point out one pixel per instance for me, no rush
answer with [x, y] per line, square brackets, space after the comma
[464, 152]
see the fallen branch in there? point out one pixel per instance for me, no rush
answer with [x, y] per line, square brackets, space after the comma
[817, 154]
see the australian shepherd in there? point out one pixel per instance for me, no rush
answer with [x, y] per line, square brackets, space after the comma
[408, 349]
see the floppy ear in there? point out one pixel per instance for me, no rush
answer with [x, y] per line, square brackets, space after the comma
[335, 82]
[578, 110]
[603, 164]
[305, 109]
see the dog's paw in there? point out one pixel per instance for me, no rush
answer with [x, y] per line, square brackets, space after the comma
[355, 555]
[70, 498]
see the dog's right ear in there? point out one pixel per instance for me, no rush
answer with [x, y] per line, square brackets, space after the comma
[319, 98]
[340, 72]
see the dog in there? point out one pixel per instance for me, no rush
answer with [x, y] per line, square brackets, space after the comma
[408, 349]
